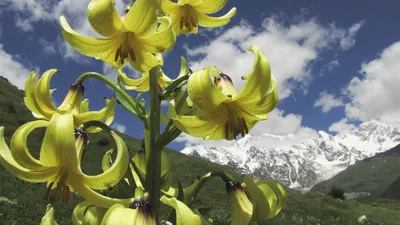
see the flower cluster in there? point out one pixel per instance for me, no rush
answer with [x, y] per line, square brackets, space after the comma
[203, 104]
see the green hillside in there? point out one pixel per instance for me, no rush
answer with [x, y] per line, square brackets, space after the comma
[373, 175]
[393, 191]
[22, 202]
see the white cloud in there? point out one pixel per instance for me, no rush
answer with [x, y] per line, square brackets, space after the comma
[376, 93]
[327, 102]
[348, 39]
[110, 72]
[332, 64]
[342, 126]
[290, 49]
[119, 127]
[48, 48]
[13, 70]
[29, 12]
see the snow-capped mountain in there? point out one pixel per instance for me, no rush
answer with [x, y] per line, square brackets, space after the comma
[305, 164]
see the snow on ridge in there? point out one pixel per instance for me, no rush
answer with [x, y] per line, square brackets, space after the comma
[303, 165]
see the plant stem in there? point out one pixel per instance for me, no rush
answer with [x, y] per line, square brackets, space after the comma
[152, 151]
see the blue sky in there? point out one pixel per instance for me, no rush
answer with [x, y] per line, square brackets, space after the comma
[335, 62]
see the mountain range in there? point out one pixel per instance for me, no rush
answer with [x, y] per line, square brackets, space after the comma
[307, 163]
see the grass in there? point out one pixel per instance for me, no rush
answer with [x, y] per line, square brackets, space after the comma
[22, 202]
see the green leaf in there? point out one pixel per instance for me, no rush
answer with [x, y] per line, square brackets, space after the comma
[124, 103]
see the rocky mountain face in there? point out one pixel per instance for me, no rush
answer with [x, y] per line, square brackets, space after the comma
[305, 164]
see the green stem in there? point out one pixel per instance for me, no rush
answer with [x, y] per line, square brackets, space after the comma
[152, 151]
[111, 84]
[171, 132]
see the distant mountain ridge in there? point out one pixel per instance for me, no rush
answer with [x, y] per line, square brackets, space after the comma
[379, 176]
[303, 165]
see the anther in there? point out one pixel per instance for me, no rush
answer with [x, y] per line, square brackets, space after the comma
[66, 194]
[132, 54]
[183, 18]
[192, 22]
[117, 53]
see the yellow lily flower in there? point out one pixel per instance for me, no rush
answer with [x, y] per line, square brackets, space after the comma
[186, 15]
[143, 83]
[86, 213]
[267, 199]
[59, 163]
[184, 215]
[38, 100]
[139, 213]
[221, 113]
[135, 37]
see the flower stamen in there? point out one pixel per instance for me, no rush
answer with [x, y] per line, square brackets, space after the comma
[235, 125]
[61, 187]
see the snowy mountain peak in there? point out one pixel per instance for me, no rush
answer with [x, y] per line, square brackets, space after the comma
[242, 142]
[323, 134]
[302, 165]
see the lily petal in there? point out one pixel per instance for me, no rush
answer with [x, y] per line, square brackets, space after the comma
[184, 215]
[102, 49]
[103, 17]
[119, 215]
[184, 68]
[58, 146]
[92, 196]
[259, 80]
[141, 84]
[144, 60]
[29, 99]
[160, 41]
[84, 107]
[278, 190]
[259, 110]
[210, 22]
[115, 173]
[110, 115]
[169, 7]
[190, 2]
[105, 162]
[205, 95]
[141, 18]
[206, 125]
[264, 199]
[92, 216]
[96, 115]
[210, 6]
[19, 148]
[42, 94]
[8, 162]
